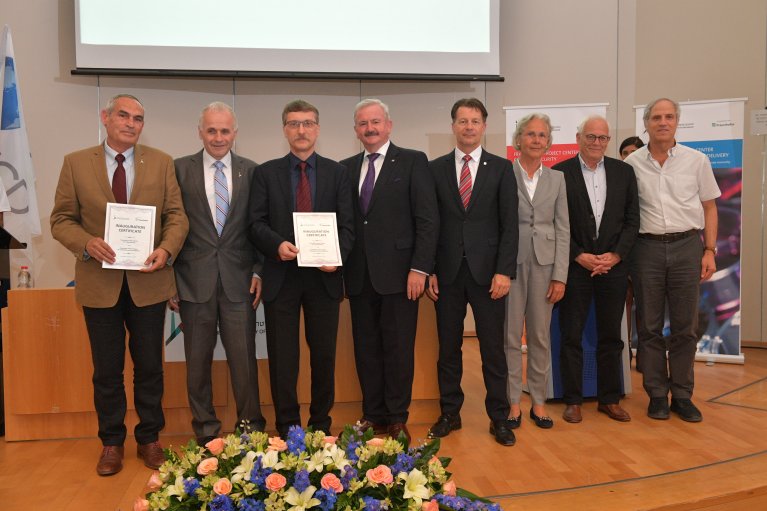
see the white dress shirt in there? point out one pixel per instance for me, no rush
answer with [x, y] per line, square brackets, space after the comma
[596, 187]
[670, 196]
[531, 183]
[209, 172]
[378, 163]
[473, 164]
[128, 165]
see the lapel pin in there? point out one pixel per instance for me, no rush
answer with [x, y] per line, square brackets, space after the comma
[484, 163]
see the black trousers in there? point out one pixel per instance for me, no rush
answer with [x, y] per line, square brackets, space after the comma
[384, 328]
[609, 294]
[302, 287]
[489, 319]
[106, 330]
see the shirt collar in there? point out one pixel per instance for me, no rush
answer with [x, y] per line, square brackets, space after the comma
[381, 150]
[111, 153]
[584, 166]
[208, 160]
[475, 154]
[295, 160]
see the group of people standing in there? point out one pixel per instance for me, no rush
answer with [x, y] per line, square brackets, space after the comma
[467, 228]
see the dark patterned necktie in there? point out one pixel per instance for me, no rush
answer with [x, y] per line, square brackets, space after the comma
[303, 191]
[366, 192]
[119, 188]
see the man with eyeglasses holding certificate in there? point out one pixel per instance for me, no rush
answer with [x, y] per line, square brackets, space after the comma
[303, 182]
[604, 221]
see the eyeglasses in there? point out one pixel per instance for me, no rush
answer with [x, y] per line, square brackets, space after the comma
[466, 122]
[603, 139]
[308, 124]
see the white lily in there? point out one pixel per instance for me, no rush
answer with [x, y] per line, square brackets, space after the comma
[271, 459]
[243, 470]
[317, 461]
[301, 501]
[415, 486]
[177, 488]
[337, 457]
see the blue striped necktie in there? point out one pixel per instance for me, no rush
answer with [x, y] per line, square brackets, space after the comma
[222, 196]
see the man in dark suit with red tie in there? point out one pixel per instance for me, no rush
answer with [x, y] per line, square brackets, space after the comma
[396, 222]
[604, 222]
[301, 181]
[476, 261]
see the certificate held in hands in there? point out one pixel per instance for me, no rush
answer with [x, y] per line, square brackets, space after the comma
[317, 239]
[129, 230]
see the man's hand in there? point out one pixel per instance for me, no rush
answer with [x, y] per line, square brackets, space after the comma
[556, 291]
[605, 263]
[432, 291]
[588, 261]
[98, 249]
[416, 282]
[255, 290]
[707, 265]
[155, 261]
[500, 286]
[328, 269]
[173, 303]
[287, 251]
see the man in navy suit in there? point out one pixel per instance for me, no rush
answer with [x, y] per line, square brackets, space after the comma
[301, 181]
[476, 261]
[604, 222]
[396, 222]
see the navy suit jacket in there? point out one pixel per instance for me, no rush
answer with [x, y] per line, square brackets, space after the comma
[271, 217]
[487, 232]
[620, 221]
[399, 230]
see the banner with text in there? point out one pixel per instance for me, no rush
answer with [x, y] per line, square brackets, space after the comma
[564, 123]
[716, 129]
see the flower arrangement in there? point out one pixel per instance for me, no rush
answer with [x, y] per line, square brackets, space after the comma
[308, 470]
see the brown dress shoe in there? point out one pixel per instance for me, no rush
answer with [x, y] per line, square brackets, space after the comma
[572, 414]
[397, 428]
[151, 454]
[615, 412]
[378, 429]
[111, 460]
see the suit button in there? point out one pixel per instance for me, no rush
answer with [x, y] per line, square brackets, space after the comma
[532, 225]
[364, 222]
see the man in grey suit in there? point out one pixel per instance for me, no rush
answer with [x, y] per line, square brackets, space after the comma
[216, 273]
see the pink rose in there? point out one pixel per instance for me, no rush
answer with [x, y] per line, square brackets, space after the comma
[277, 444]
[449, 488]
[154, 482]
[331, 482]
[223, 486]
[275, 481]
[140, 504]
[434, 459]
[380, 475]
[329, 440]
[207, 466]
[375, 442]
[215, 446]
[430, 506]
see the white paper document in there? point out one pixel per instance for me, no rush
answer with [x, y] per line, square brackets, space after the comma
[317, 239]
[129, 230]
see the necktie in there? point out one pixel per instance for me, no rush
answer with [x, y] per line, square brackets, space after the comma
[119, 188]
[464, 184]
[222, 196]
[366, 192]
[303, 191]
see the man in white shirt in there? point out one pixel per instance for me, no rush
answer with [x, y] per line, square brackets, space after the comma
[677, 193]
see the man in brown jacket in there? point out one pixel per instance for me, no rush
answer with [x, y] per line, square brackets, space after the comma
[122, 171]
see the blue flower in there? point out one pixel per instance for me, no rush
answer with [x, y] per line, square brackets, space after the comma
[190, 485]
[301, 481]
[372, 504]
[351, 447]
[295, 439]
[349, 474]
[221, 503]
[327, 498]
[249, 504]
[259, 474]
[404, 463]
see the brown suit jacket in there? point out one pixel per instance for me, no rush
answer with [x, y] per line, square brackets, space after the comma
[79, 213]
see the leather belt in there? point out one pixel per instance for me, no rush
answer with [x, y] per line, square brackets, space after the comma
[669, 236]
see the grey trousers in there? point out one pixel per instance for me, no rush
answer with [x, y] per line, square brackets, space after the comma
[667, 274]
[527, 306]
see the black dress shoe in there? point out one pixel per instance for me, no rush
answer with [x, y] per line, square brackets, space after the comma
[658, 408]
[444, 425]
[514, 422]
[502, 433]
[544, 422]
[686, 410]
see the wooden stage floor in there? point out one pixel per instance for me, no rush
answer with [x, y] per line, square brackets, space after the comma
[717, 465]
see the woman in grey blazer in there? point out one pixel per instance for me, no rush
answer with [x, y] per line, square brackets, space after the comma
[544, 244]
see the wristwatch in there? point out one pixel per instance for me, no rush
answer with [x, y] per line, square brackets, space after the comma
[712, 250]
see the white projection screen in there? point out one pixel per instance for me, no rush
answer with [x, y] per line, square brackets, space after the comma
[443, 39]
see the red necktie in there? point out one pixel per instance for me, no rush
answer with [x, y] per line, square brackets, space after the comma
[303, 191]
[464, 184]
[119, 188]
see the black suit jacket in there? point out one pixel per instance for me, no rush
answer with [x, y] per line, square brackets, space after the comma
[399, 231]
[620, 220]
[271, 217]
[487, 231]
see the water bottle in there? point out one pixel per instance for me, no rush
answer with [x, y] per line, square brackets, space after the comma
[25, 279]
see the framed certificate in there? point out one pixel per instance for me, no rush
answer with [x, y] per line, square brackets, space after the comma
[316, 239]
[129, 230]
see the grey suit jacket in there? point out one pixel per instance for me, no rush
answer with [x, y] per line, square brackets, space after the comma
[204, 256]
[544, 223]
